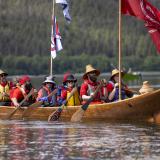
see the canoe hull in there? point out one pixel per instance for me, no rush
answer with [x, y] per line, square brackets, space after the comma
[143, 107]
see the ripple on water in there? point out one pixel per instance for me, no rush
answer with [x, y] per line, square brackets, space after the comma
[43, 140]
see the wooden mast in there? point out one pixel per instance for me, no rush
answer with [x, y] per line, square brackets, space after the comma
[53, 15]
[119, 48]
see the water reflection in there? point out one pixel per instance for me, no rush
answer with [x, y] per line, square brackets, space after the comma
[41, 140]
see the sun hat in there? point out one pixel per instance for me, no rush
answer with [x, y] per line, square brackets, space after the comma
[89, 69]
[115, 72]
[2, 72]
[52, 77]
[49, 80]
[146, 88]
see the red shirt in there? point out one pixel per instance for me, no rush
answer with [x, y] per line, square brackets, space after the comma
[84, 89]
[17, 93]
[110, 87]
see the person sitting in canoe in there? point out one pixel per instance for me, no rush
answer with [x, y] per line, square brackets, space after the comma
[28, 88]
[90, 84]
[20, 91]
[5, 87]
[48, 86]
[69, 82]
[104, 96]
[113, 87]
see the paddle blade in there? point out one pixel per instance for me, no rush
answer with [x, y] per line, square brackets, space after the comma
[77, 116]
[56, 115]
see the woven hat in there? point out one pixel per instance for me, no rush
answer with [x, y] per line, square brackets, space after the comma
[49, 80]
[89, 69]
[146, 88]
[2, 72]
[116, 71]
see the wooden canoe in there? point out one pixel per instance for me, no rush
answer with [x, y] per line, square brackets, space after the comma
[143, 107]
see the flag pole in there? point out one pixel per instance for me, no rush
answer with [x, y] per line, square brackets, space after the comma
[53, 14]
[119, 47]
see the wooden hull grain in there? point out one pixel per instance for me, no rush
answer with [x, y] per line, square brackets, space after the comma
[141, 108]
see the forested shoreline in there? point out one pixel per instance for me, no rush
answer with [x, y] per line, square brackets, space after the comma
[92, 37]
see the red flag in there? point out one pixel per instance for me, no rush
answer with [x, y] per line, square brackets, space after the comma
[133, 8]
[149, 14]
[155, 35]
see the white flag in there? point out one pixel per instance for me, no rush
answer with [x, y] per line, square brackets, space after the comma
[56, 44]
[65, 8]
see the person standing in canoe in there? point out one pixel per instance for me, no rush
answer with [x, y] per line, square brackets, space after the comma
[69, 82]
[5, 87]
[113, 87]
[20, 91]
[48, 86]
[90, 84]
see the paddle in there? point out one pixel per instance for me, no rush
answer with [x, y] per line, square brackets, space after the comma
[54, 116]
[39, 103]
[20, 104]
[131, 90]
[77, 116]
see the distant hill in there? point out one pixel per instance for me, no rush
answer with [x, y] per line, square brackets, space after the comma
[92, 37]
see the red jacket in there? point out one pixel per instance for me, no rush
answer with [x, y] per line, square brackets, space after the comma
[17, 93]
[87, 87]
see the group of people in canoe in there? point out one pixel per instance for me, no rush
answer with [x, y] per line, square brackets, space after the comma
[69, 93]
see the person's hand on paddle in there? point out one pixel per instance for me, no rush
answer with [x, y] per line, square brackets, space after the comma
[5, 94]
[91, 95]
[103, 82]
[116, 85]
[15, 102]
[43, 99]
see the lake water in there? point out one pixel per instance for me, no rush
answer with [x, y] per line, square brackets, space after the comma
[28, 140]
[40, 140]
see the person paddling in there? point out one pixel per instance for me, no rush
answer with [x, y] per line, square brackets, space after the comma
[48, 86]
[20, 92]
[113, 87]
[90, 84]
[5, 87]
[69, 82]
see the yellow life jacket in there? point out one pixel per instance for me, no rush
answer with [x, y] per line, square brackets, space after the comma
[5, 89]
[74, 100]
